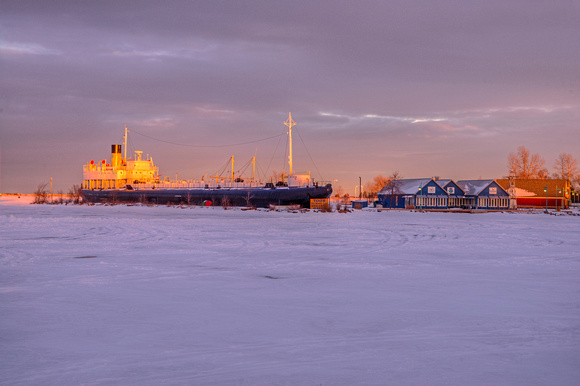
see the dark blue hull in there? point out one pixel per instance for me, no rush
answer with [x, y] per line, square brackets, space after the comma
[257, 197]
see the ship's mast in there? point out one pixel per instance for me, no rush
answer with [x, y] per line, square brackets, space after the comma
[290, 123]
[253, 168]
[125, 146]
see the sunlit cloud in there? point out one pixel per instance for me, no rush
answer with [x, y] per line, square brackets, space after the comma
[418, 120]
[207, 111]
[513, 109]
[198, 52]
[480, 123]
[438, 127]
[11, 48]
[146, 54]
[212, 111]
[333, 115]
[384, 117]
[163, 122]
[450, 127]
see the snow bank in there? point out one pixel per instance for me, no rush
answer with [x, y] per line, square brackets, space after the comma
[16, 199]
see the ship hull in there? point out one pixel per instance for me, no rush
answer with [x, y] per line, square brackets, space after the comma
[256, 197]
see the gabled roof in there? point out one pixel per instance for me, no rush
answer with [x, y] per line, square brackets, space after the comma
[443, 181]
[535, 187]
[405, 186]
[473, 187]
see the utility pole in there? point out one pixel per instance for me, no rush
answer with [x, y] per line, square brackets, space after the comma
[360, 188]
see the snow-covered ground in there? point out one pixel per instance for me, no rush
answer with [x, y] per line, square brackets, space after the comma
[207, 296]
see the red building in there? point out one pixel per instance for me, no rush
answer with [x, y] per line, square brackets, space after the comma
[539, 193]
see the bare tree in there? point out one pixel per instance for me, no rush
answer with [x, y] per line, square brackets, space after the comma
[394, 186]
[60, 199]
[543, 173]
[368, 190]
[380, 182]
[41, 194]
[113, 198]
[526, 166]
[74, 194]
[566, 167]
[375, 186]
[248, 199]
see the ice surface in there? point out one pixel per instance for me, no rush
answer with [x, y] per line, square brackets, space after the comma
[205, 296]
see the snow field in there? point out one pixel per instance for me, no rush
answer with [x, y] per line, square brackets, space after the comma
[158, 295]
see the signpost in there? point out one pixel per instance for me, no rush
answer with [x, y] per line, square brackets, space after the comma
[319, 203]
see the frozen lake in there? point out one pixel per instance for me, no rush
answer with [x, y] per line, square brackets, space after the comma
[207, 296]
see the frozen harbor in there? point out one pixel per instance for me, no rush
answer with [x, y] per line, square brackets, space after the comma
[165, 295]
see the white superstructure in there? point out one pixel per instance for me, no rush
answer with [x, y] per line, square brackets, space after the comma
[120, 171]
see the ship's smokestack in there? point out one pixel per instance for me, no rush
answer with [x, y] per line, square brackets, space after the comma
[115, 155]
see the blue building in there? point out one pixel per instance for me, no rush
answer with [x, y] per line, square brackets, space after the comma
[455, 195]
[424, 193]
[485, 194]
[434, 193]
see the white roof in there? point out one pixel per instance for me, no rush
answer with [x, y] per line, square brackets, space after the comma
[406, 186]
[473, 187]
[443, 181]
[523, 193]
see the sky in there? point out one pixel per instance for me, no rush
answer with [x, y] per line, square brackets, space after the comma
[425, 88]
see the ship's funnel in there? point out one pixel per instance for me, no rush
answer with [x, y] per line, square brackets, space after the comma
[115, 155]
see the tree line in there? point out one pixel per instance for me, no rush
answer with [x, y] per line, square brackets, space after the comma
[524, 165]
[43, 196]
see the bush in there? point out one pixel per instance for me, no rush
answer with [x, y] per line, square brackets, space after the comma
[113, 198]
[74, 194]
[41, 194]
[326, 208]
[60, 199]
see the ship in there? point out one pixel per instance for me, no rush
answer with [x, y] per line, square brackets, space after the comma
[137, 180]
